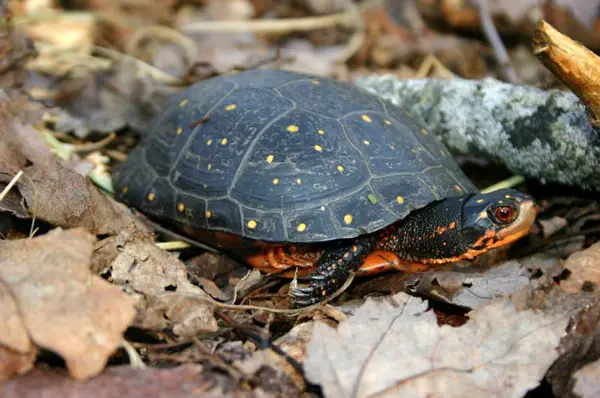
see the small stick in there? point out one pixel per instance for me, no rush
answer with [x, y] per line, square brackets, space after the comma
[271, 25]
[10, 185]
[572, 63]
[489, 29]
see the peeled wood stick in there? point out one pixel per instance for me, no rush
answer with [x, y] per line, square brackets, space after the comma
[572, 63]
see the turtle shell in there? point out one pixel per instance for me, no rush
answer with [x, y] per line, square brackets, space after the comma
[279, 156]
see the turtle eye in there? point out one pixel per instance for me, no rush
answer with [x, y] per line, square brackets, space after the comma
[504, 214]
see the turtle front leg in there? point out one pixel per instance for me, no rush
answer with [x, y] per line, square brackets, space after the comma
[332, 270]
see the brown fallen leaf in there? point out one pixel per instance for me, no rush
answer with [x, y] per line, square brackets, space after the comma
[123, 381]
[65, 308]
[49, 190]
[585, 269]
[17, 354]
[395, 348]
[171, 300]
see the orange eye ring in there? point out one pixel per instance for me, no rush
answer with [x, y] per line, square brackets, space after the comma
[505, 214]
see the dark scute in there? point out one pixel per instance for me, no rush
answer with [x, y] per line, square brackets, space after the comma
[446, 184]
[330, 98]
[133, 177]
[389, 148]
[163, 203]
[194, 210]
[267, 226]
[258, 78]
[225, 215]
[366, 210]
[319, 226]
[164, 144]
[215, 165]
[295, 158]
[414, 193]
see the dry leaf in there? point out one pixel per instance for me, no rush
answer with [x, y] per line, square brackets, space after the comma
[160, 276]
[395, 348]
[585, 267]
[48, 189]
[123, 381]
[471, 290]
[587, 385]
[63, 306]
[17, 354]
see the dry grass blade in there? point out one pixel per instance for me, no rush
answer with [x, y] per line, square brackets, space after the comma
[10, 185]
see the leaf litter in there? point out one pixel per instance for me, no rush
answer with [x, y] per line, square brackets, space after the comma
[61, 305]
[394, 347]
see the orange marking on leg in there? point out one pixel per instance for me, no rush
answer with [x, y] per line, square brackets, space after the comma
[380, 261]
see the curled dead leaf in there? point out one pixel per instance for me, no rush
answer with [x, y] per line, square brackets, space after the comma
[171, 299]
[63, 307]
[584, 267]
[395, 348]
[51, 191]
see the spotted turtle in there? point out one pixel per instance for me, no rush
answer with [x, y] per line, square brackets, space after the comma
[314, 176]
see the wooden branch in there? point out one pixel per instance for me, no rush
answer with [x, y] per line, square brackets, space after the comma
[576, 66]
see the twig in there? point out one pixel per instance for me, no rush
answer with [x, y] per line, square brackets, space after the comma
[489, 29]
[135, 360]
[257, 307]
[575, 65]
[272, 25]
[164, 33]
[10, 185]
[94, 146]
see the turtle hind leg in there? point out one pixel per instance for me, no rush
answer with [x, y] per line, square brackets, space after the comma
[333, 270]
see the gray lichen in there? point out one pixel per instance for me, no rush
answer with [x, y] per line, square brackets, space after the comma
[543, 135]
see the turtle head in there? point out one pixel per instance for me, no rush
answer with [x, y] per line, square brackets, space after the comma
[495, 219]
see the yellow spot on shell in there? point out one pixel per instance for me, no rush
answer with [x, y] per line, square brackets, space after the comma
[275, 181]
[507, 196]
[270, 158]
[301, 227]
[293, 128]
[183, 102]
[151, 196]
[424, 132]
[298, 181]
[316, 82]
[340, 168]
[400, 200]
[321, 132]
[458, 188]
[366, 118]
[393, 148]
[479, 200]
[348, 218]
[251, 224]
[125, 189]
[209, 166]
[366, 142]
[208, 213]
[318, 148]
[500, 201]
[208, 142]
[224, 141]
[179, 131]
[387, 122]
[230, 107]
[181, 207]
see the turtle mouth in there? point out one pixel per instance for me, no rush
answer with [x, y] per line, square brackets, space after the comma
[519, 227]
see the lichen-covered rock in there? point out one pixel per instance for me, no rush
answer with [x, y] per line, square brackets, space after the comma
[543, 135]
